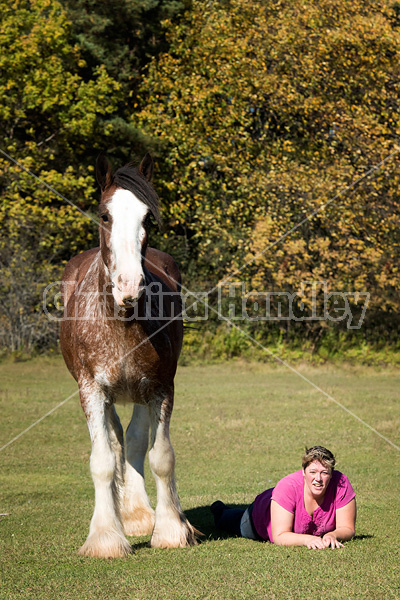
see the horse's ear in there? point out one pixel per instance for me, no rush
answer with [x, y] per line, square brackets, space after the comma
[103, 172]
[146, 167]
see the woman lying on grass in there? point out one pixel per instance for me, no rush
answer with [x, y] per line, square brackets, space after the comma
[314, 507]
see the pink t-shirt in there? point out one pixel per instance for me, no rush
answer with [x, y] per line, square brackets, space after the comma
[289, 493]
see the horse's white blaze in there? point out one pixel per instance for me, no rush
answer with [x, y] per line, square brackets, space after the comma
[127, 234]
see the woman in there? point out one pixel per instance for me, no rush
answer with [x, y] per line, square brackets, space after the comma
[314, 507]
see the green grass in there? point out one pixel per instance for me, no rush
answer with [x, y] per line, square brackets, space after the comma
[237, 428]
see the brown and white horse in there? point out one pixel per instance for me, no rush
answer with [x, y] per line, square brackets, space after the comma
[121, 342]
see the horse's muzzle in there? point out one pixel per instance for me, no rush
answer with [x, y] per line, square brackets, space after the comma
[129, 300]
[127, 293]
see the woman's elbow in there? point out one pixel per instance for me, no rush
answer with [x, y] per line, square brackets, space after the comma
[279, 539]
[346, 534]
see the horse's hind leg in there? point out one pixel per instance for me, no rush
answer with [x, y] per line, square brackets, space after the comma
[137, 514]
[106, 537]
[172, 529]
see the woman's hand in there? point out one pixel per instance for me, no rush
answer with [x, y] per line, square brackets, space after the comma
[330, 540]
[327, 541]
[316, 543]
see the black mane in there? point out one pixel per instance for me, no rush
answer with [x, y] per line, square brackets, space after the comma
[130, 178]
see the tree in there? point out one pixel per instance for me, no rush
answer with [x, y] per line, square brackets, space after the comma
[49, 116]
[69, 70]
[122, 36]
[265, 112]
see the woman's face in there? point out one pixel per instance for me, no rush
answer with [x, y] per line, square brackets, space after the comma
[317, 478]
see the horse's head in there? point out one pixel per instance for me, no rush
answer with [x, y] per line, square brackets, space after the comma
[127, 201]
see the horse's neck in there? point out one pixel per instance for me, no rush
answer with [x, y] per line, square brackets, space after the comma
[104, 287]
[154, 303]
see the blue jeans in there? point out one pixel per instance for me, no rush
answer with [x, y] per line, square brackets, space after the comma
[238, 522]
[247, 529]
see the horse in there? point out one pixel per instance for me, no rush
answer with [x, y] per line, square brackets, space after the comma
[121, 336]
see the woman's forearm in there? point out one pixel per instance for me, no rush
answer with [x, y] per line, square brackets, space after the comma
[288, 538]
[343, 534]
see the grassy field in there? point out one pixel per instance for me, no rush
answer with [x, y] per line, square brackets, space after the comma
[237, 428]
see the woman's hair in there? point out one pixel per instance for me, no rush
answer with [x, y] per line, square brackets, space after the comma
[323, 455]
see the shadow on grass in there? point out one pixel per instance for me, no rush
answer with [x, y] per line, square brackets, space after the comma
[202, 519]
[139, 545]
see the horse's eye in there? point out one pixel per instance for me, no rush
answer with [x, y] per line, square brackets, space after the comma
[104, 218]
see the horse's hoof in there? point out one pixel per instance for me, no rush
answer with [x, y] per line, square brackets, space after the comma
[179, 535]
[106, 544]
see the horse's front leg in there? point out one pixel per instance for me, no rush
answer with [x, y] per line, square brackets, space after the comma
[106, 536]
[137, 514]
[171, 529]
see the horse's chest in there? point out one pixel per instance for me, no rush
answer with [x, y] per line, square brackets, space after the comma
[125, 370]
[125, 367]
[121, 386]
[117, 349]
